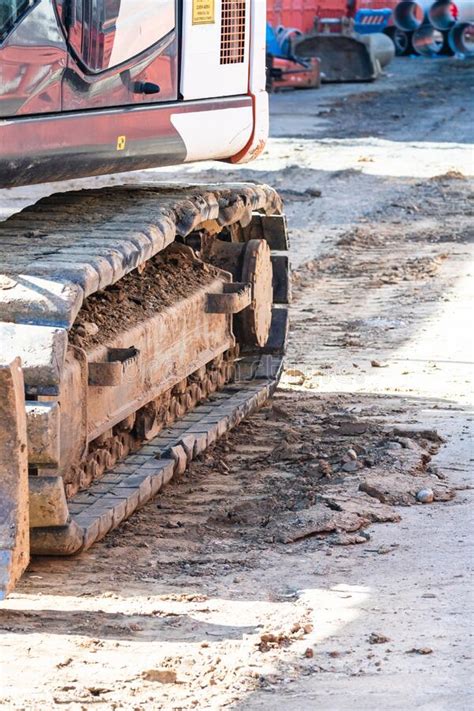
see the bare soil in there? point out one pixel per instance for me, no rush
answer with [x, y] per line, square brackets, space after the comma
[164, 280]
[293, 566]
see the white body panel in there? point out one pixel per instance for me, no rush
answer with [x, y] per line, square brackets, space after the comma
[202, 74]
[214, 134]
[258, 46]
[257, 83]
[236, 134]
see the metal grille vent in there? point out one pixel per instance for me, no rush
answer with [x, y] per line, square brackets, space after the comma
[233, 31]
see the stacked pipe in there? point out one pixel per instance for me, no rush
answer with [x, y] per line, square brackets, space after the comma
[434, 27]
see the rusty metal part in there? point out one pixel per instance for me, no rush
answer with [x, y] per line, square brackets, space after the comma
[112, 372]
[146, 351]
[254, 322]
[235, 298]
[254, 262]
[107, 451]
[47, 504]
[14, 510]
[225, 255]
[43, 433]
[272, 228]
[69, 246]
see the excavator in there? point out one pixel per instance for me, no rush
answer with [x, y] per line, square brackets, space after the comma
[139, 322]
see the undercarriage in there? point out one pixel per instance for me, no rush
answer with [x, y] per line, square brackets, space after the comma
[137, 325]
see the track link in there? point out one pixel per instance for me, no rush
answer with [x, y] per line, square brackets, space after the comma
[148, 421]
[130, 485]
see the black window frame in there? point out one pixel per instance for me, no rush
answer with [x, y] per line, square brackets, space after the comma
[78, 26]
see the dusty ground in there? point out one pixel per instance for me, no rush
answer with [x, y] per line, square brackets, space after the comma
[267, 576]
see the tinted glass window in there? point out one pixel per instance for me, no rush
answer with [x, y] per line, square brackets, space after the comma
[140, 25]
[106, 33]
[11, 12]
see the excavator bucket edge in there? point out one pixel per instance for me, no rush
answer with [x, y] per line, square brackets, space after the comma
[347, 58]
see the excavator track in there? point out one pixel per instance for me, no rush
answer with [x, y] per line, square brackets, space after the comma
[137, 325]
[127, 487]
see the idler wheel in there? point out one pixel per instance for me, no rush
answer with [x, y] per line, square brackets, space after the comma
[253, 323]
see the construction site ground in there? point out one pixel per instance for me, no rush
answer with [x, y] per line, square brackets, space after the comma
[292, 567]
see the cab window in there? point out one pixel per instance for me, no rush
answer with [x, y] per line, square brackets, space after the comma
[107, 33]
[11, 12]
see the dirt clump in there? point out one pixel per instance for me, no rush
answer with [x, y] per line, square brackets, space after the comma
[165, 279]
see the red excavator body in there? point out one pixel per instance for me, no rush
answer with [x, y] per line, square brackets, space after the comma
[89, 87]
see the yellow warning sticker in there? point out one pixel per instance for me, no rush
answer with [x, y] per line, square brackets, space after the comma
[203, 12]
[121, 143]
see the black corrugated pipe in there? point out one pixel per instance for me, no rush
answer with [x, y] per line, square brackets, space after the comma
[401, 40]
[427, 41]
[409, 15]
[461, 39]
